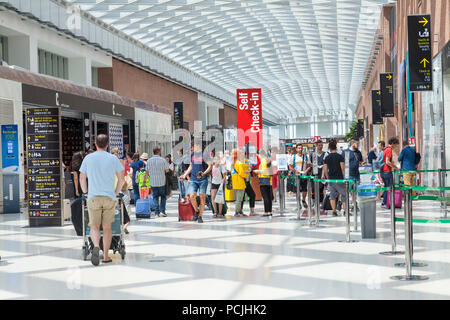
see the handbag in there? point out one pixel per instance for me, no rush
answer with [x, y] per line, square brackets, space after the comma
[264, 181]
[220, 197]
[229, 181]
[128, 183]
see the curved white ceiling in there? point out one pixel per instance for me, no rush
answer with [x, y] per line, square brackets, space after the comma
[308, 56]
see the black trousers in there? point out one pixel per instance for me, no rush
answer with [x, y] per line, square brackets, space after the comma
[251, 194]
[267, 195]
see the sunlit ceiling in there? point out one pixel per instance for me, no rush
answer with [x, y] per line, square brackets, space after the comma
[308, 56]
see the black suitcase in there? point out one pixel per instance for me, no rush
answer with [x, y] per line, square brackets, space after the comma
[76, 208]
[326, 205]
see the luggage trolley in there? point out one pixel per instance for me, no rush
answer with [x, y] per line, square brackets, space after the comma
[117, 241]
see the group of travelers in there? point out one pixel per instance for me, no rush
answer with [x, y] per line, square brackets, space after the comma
[101, 176]
[331, 165]
[409, 158]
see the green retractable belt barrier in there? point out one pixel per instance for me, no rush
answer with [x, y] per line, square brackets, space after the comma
[333, 181]
[426, 220]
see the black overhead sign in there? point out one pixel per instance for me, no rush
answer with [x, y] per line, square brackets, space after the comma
[376, 107]
[178, 115]
[360, 129]
[420, 57]
[387, 94]
[44, 166]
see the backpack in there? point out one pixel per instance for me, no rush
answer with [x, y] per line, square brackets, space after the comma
[140, 178]
[417, 158]
[379, 162]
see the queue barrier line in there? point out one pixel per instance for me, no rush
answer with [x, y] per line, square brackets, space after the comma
[333, 181]
[407, 171]
[432, 198]
[424, 188]
[426, 220]
[295, 177]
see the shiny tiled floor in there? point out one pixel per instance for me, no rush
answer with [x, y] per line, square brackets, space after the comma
[236, 258]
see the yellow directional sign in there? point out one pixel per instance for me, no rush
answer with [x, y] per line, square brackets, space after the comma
[29, 138]
[378, 92]
[424, 61]
[424, 21]
[389, 77]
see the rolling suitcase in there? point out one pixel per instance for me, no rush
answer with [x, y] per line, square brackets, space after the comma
[76, 212]
[185, 210]
[326, 205]
[397, 198]
[143, 208]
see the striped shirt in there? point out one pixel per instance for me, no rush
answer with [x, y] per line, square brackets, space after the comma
[156, 167]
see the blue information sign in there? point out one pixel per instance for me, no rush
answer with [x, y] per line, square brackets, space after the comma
[10, 168]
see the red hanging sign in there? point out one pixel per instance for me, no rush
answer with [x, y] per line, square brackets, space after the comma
[317, 138]
[412, 141]
[249, 117]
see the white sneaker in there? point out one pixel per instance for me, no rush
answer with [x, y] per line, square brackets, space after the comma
[162, 214]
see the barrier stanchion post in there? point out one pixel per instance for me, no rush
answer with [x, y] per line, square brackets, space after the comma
[281, 190]
[393, 228]
[355, 210]
[347, 213]
[309, 201]
[409, 242]
[442, 177]
[317, 201]
[299, 205]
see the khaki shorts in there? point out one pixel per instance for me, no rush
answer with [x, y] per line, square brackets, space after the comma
[101, 210]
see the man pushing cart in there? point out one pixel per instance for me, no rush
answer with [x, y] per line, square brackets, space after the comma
[100, 168]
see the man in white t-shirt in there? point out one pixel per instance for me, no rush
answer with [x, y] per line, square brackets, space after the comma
[101, 168]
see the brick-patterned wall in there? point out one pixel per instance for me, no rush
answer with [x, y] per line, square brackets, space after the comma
[228, 116]
[138, 84]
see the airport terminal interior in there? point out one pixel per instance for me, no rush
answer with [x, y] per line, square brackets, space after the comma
[227, 150]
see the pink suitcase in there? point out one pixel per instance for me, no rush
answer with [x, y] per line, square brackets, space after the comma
[398, 197]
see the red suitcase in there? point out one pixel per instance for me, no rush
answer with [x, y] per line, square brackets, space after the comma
[185, 210]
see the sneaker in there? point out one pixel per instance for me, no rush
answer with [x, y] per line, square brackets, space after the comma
[156, 215]
[163, 214]
[200, 219]
[304, 204]
[335, 214]
[195, 216]
[95, 257]
[385, 207]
